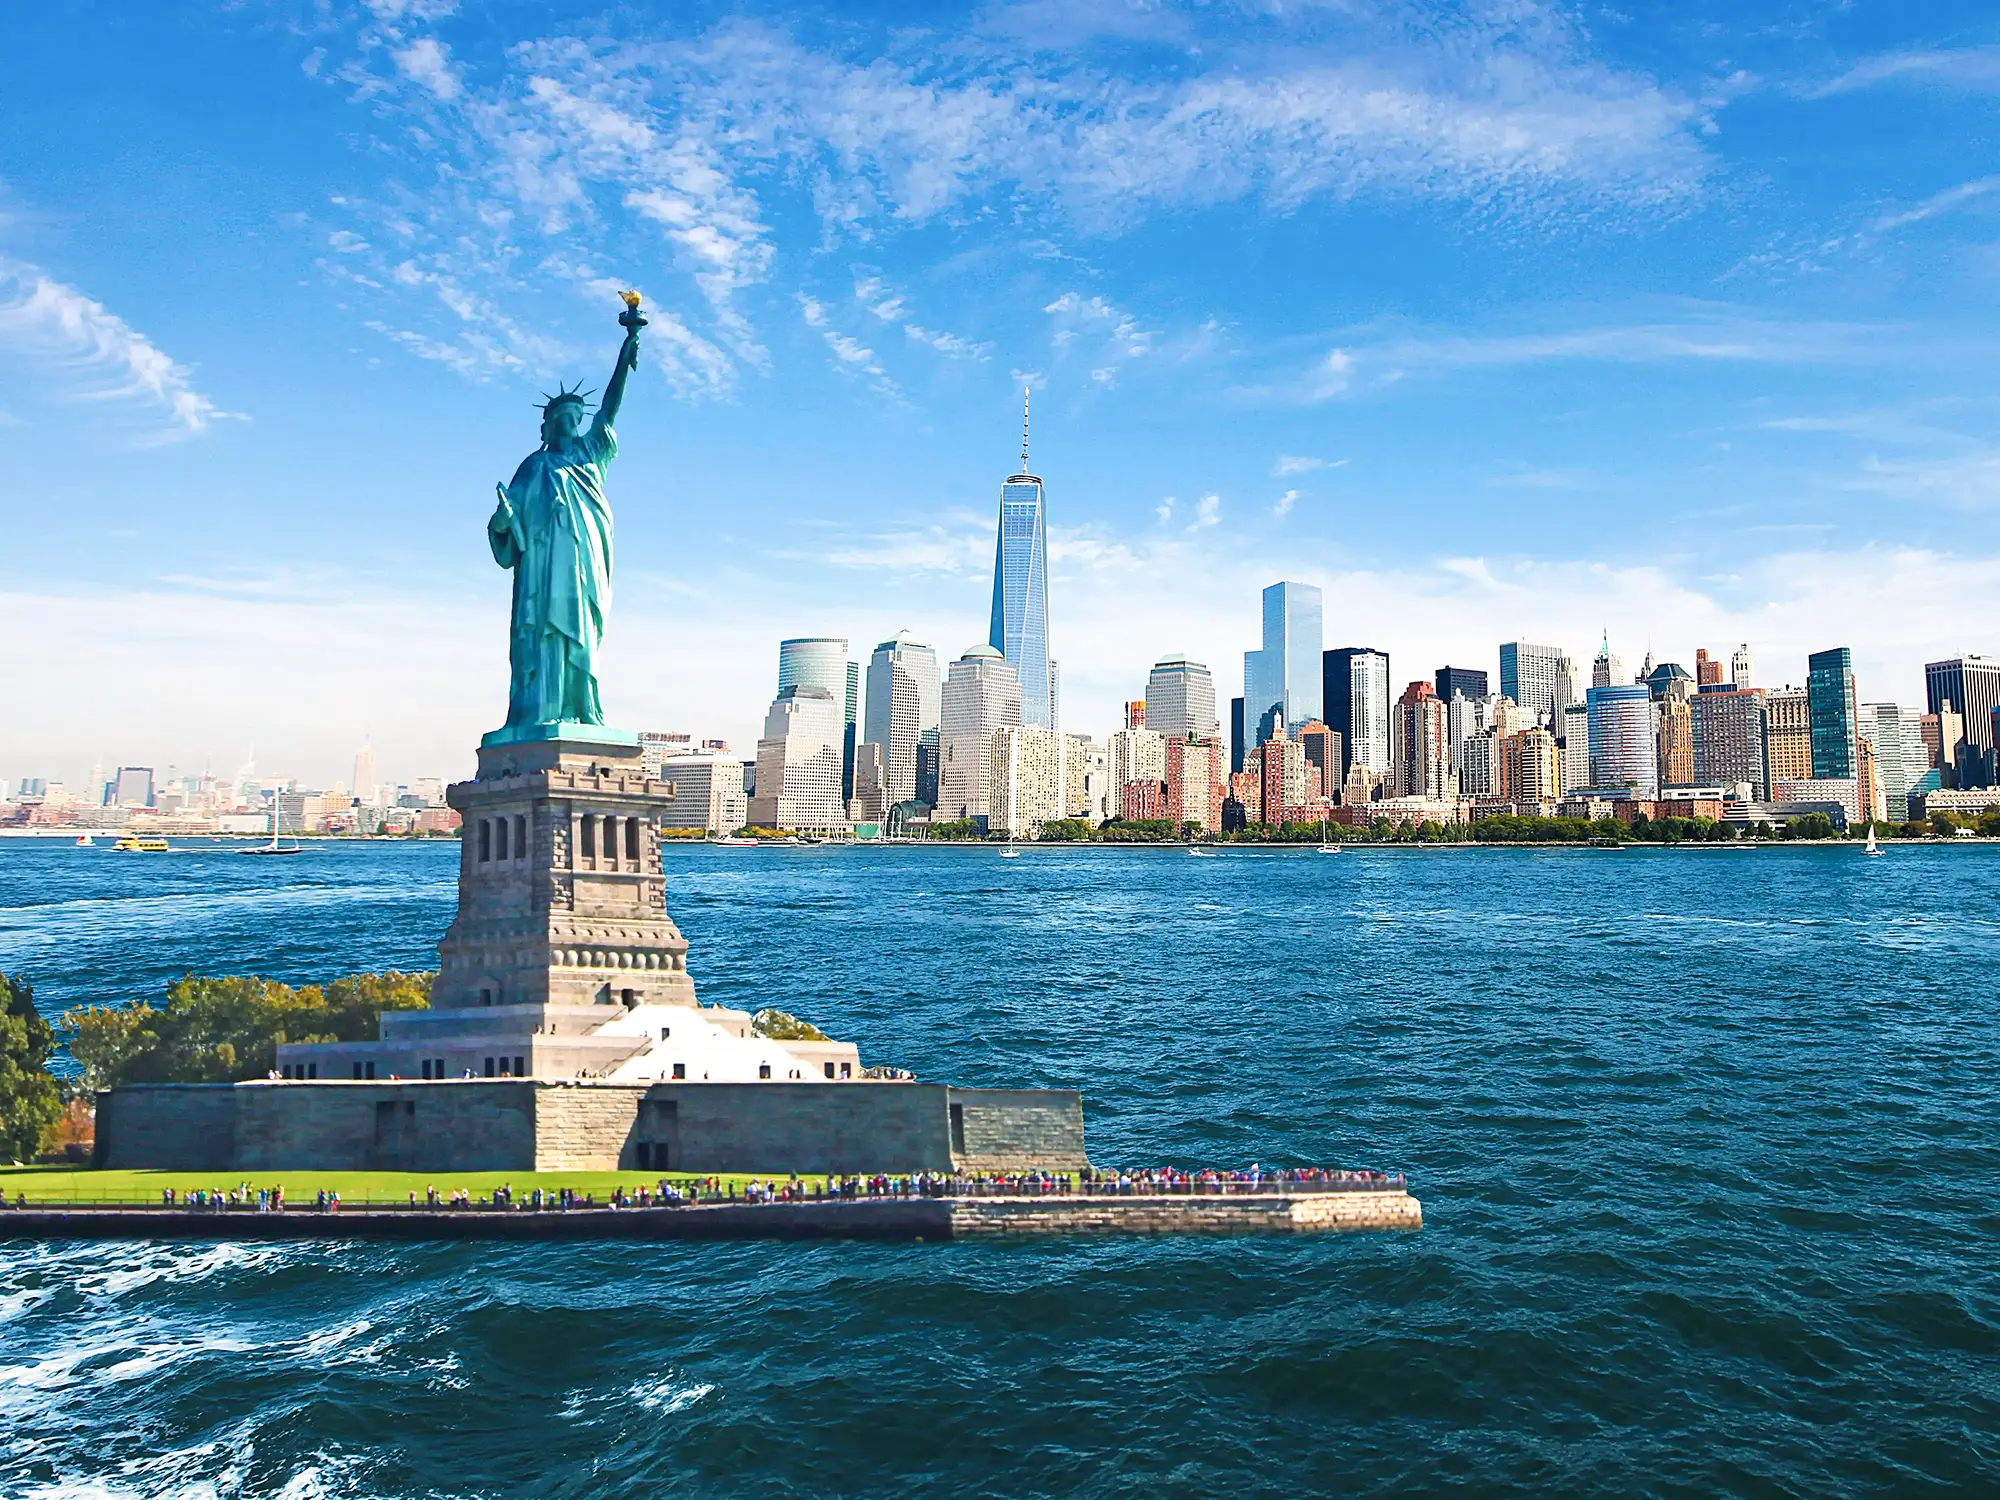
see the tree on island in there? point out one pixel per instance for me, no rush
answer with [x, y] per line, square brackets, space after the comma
[227, 1030]
[30, 1101]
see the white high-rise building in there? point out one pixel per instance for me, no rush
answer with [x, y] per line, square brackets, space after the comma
[902, 713]
[1134, 755]
[1086, 769]
[1901, 757]
[1739, 668]
[1180, 699]
[1528, 676]
[982, 694]
[1573, 755]
[366, 791]
[1027, 778]
[821, 661]
[1464, 718]
[798, 763]
[708, 793]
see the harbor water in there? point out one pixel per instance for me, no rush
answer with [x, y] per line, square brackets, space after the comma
[1706, 1141]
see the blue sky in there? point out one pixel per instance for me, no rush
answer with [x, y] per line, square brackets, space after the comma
[1494, 320]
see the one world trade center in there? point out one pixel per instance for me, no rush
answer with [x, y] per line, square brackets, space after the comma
[1020, 629]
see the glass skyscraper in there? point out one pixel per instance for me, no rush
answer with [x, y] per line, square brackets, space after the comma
[1020, 627]
[1528, 676]
[821, 662]
[1835, 718]
[902, 714]
[1283, 676]
[1354, 684]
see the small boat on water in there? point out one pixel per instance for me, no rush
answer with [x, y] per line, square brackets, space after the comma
[85, 841]
[1201, 853]
[130, 845]
[1872, 847]
[1324, 846]
[1010, 852]
[733, 841]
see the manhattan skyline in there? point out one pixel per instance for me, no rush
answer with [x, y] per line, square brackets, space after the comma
[1691, 362]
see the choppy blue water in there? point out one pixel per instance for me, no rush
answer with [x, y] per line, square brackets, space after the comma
[1706, 1142]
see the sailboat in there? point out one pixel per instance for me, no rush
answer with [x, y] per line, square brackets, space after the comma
[1324, 846]
[1010, 852]
[1871, 848]
[276, 846]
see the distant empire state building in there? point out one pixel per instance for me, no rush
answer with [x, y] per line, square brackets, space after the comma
[1020, 630]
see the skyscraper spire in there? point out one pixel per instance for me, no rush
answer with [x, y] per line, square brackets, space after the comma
[1025, 391]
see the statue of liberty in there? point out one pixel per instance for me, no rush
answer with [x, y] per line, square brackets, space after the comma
[553, 528]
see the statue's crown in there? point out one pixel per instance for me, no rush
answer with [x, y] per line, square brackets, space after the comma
[578, 397]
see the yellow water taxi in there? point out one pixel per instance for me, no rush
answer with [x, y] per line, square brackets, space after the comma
[141, 846]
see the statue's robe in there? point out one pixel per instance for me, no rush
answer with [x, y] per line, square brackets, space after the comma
[558, 542]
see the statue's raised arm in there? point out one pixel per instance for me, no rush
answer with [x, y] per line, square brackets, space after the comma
[628, 360]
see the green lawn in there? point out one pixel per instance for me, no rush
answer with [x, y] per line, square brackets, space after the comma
[57, 1185]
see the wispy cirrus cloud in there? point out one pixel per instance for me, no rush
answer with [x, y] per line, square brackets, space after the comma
[54, 326]
[1967, 67]
[1939, 203]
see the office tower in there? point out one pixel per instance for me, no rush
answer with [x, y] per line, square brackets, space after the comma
[1461, 682]
[1739, 668]
[1528, 676]
[1136, 755]
[1418, 747]
[1900, 757]
[1606, 670]
[1085, 767]
[1528, 769]
[1135, 713]
[868, 803]
[1026, 778]
[1282, 680]
[1478, 768]
[821, 661]
[1788, 734]
[1971, 686]
[1729, 748]
[1322, 749]
[1355, 690]
[1835, 718]
[132, 788]
[1281, 765]
[1624, 747]
[1675, 753]
[1180, 700]
[1020, 627]
[1464, 718]
[708, 793]
[1237, 745]
[902, 711]
[366, 791]
[1194, 783]
[1573, 754]
[1707, 672]
[798, 763]
[981, 696]
[1665, 676]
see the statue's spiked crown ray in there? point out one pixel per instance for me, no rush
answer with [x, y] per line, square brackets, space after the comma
[577, 397]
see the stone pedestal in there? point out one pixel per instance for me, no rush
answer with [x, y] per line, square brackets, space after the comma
[561, 900]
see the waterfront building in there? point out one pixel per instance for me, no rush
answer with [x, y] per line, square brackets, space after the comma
[821, 661]
[1788, 734]
[1322, 748]
[1528, 676]
[1899, 754]
[1676, 716]
[1624, 746]
[1970, 687]
[1143, 801]
[798, 763]
[1728, 730]
[1355, 689]
[981, 696]
[1020, 623]
[1026, 778]
[1739, 668]
[1180, 699]
[1086, 769]
[1835, 717]
[1461, 682]
[1282, 778]
[707, 793]
[1478, 768]
[1421, 756]
[1464, 718]
[1238, 746]
[1965, 801]
[869, 804]
[1135, 755]
[1529, 773]
[1244, 800]
[902, 711]
[1606, 670]
[1844, 791]
[1282, 680]
[1194, 782]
